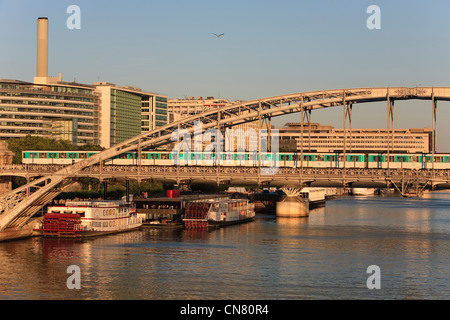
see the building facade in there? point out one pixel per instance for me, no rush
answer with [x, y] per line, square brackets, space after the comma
[241, 138]
[125, 112]
[325, 138]
[179, 108]
[154, 112]
[60, 111]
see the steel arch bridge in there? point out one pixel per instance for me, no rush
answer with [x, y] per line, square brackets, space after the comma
[17, 206]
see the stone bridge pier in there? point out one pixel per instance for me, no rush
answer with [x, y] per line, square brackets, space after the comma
[293, 205]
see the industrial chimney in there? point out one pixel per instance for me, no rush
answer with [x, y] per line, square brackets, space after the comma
[42, 55]
[42, 48]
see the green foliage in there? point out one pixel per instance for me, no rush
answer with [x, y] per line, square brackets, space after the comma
[208, 188]
[152, 187]
[83, 194]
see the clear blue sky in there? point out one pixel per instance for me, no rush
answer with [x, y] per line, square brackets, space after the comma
[269, 48]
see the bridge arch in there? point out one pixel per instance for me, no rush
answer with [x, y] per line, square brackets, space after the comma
[14, 206]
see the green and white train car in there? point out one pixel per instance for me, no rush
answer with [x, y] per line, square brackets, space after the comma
[281, 159]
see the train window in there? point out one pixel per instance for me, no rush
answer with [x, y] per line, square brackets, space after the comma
[307, 158]
[438, 158]
[377, 158]
[72, 155]
[165, 156]
[354, 158]
[63, 155]
[319, 158]
[402, 159]
[82, 155]
[42, 155]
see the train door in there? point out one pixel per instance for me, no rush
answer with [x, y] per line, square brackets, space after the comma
[379, 159]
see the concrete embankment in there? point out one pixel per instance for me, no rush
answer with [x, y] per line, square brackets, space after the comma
[25, 232]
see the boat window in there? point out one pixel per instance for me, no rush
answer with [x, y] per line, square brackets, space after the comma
[81, 213]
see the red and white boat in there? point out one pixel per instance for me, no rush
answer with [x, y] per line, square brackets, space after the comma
[89, 218]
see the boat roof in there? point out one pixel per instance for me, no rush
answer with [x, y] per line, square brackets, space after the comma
[184, 198]
[94, 203]
[225, 200]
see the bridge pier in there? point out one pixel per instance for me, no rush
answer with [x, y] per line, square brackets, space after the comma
[105, 189]
[292, 206]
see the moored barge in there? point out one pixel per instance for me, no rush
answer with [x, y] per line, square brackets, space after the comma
[168, 212]
[78, 219]
[218, 213]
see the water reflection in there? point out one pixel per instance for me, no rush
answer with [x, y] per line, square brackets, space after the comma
[323, 256]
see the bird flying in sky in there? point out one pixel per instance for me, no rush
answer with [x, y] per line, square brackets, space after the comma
[218, 35]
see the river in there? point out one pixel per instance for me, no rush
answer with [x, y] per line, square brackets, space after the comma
[323, 256]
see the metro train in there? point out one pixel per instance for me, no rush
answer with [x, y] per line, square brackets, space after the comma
[280, 159]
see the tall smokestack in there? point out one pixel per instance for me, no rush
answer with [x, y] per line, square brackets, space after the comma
[42, 48]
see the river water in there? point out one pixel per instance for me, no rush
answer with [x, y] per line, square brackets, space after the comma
[324, 256]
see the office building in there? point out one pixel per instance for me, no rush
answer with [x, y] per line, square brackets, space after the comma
[60, 111]
[325, 138]
[126, 111]
[180, 108]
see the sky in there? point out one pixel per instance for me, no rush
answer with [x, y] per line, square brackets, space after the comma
[269, 48]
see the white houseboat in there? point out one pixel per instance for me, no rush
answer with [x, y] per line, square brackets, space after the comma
[218, 213]
[89, 218]
[363, 191]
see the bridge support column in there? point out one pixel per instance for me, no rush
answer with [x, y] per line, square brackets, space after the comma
[127, 188]
[292, 206]
[433, 137]
[105, 189]
[347, 114]
[390, 129]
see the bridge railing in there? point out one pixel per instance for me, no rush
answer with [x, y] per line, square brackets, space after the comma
[323, 173]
